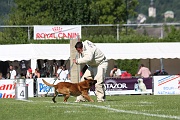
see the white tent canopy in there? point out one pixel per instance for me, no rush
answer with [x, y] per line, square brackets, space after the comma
[111, 50]
[140, 50]
[144, 51]
[34, 51]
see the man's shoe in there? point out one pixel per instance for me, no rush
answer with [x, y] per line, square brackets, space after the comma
[80, 101]
[101, 100]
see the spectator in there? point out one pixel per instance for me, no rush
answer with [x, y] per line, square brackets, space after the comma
[160, 72]
[36, 74]
[62, 73]
[54, 68]
[144, 72]
[163, 72]
[126, 74]
[23, 68]
[157, 72]
[18, 75]
[29, 73]
[12, 72]
[1, 76]
[115, 72]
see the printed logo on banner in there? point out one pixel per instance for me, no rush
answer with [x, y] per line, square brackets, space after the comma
[166, 85]
[7, 87]
[45, 88]
[112, 85]
[167, 79]
[57, 32]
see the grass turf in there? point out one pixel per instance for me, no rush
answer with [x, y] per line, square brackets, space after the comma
[123, 107]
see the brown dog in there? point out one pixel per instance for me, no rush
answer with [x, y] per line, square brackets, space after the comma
[74, 89]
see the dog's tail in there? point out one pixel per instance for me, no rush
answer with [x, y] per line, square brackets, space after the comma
[48, 84]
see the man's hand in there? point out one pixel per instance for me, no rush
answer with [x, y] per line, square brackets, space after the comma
[74, 61]
[114, 69]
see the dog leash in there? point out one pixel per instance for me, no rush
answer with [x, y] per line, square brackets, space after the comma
[61, 71]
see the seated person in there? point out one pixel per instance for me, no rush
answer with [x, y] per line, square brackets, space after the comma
[160, 72]
[115, 72]
[125, 74]
[144, 72]
[157, 72]
[163, 72]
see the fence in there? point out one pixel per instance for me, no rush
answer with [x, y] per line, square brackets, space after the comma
[113, 30]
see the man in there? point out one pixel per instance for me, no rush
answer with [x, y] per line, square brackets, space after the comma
[96, 60]
[62, 73]
[144, 71]
[115, 72]
[12, 72]
[1, 76]
[23, 68]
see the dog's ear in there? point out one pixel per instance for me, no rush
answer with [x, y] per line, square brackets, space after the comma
[95, 81]
[88, 77]
[92, 82]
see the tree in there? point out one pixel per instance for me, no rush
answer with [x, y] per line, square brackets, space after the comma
[70, 12]
[66, 12]
[112, 11]
[5, 6]
[50, 12]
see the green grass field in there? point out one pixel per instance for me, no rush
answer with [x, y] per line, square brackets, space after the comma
[123, 107]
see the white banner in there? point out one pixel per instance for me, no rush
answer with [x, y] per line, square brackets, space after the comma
[44, 89]
[7, 88]
[42, 32]
[167, 85]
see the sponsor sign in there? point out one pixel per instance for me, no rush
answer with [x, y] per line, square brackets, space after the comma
[42, 32]
[167, 85]
[115, 86]
[7, 88]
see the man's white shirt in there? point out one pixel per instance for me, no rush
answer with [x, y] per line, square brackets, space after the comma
[12, 74]
[63, 74]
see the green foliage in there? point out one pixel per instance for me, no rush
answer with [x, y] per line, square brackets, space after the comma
[173, 34]
[65, 12]
[112, 11]
[128, 65]
[5, 6]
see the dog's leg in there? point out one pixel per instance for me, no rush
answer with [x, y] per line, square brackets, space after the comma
[55, 94]
[66, 97]
[86, 96]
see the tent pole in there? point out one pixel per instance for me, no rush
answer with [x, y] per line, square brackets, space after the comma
[161, 62]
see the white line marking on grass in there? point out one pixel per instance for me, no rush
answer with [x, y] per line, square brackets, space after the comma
[27, 100]
[127, 111]
[64, 106]
[121, 111]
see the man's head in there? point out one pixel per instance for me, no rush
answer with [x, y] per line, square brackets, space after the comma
[142, 65]
[11, 67]
[79, 47]
[115, 67]
[64, 67]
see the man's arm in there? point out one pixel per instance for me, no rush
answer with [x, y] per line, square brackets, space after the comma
[111, 73]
